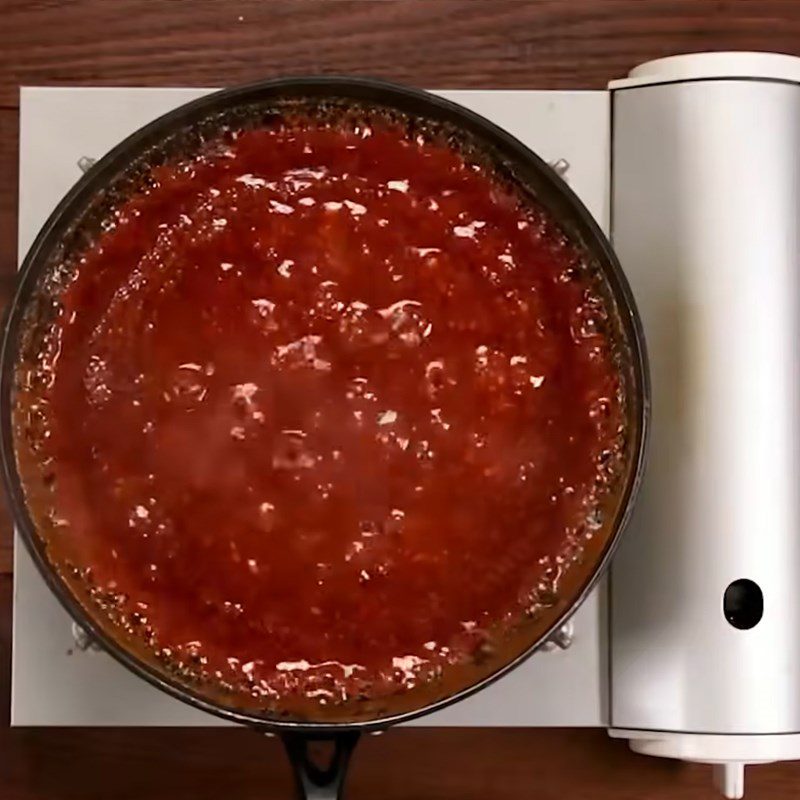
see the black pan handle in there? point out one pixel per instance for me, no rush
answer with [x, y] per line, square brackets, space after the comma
[315, 781]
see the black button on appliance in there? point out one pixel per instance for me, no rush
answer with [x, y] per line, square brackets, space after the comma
[743, 604]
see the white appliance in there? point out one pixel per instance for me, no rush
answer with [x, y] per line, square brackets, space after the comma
[692, 648]
[704, 627]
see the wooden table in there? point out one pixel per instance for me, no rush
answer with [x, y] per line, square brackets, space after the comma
[442, 43]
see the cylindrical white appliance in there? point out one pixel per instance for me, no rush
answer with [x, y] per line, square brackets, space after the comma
[705, 590]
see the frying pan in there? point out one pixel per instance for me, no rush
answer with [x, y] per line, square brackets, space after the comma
[79, 215]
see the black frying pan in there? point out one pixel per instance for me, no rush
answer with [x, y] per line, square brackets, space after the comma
[78, 217]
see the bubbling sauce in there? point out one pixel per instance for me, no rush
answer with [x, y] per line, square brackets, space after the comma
[327, 409]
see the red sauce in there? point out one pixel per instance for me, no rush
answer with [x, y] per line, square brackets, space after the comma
[330, 411]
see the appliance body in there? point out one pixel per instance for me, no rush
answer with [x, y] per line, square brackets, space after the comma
[705, 597]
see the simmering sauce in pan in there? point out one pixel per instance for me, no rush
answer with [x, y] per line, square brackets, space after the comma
[329, 409]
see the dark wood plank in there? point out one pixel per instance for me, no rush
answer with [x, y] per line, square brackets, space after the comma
[6, 542]
[490, 43]
[9, 162]
[483, 43]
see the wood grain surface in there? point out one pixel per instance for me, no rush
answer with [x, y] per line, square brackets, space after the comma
[433, 43]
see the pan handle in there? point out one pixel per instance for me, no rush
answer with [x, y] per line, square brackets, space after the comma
[315, 782]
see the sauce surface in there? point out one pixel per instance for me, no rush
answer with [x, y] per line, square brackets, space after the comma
[331, 408]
